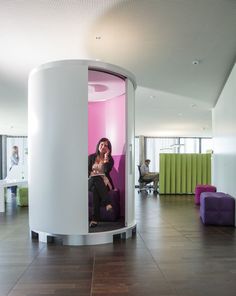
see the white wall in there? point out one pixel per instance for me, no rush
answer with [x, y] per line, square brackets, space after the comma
[224, 135]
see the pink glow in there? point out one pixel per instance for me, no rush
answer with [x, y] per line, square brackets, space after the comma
[104, 86]
[96, 124]
[107, 119]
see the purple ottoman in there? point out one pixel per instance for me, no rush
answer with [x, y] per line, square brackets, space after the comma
[217, 208]
[114, 197]
[202, 188]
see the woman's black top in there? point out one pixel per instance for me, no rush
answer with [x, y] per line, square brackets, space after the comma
[107, 167]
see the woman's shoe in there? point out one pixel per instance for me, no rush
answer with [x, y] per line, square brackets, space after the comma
[93, 224]
[109, 208]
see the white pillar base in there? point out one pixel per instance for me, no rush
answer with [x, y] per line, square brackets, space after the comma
[96, 238]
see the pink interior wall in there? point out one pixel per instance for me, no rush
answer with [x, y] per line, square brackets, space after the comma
[96, 124]
[107, 119]
[115, 124]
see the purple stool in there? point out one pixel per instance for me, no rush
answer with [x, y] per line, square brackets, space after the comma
[114, 197]
[217, 208]
[202, 188]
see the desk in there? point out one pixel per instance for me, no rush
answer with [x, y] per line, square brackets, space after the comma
[8, 183]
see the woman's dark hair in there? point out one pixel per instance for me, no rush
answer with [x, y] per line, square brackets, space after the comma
[103, 140]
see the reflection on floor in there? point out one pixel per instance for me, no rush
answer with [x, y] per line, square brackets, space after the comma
[173, 254]
[107, 226]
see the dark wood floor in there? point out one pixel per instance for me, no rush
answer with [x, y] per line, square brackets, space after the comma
[172, 254]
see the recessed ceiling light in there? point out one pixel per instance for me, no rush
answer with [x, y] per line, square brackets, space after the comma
[195, 62]
[152, 97]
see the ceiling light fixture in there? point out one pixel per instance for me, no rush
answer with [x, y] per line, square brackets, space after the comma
[152, 97]
[176, 145]
[167, 148]
[173, 146]
[98, 37]
[195, 62]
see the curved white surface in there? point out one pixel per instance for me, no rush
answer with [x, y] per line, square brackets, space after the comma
[104, 86]
[88, 239]
[58, 182]
[93, 65]
[58, 149]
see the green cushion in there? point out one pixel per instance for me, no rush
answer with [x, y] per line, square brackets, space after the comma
[22, 197]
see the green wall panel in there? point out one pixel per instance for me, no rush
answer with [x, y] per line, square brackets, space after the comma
[183, 175]
[173, 175]
[194, 171]
[180, 173]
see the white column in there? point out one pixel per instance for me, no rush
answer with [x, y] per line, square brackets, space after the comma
[58, 187]
[129, 188]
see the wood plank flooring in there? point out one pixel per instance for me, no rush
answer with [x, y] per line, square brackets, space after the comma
[171, 254]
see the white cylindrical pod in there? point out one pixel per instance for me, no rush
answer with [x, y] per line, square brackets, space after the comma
[58, 150]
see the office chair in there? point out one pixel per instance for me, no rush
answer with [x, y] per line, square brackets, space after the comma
[143, 184]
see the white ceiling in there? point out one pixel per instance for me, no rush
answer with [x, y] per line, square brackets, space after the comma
[156, 40]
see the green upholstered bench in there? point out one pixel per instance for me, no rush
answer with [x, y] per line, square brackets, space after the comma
[22, 197]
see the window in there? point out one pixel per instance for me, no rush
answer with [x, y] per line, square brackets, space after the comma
[206, 145]
[20, 171]
[155, 146]
[136, 160]
[189, 145]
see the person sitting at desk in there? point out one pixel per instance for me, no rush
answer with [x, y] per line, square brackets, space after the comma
[100, 165]
[148, 176]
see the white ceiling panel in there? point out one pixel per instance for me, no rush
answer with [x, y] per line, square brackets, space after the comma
[157, 40]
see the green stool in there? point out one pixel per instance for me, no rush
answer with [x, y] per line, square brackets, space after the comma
[22, 197]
